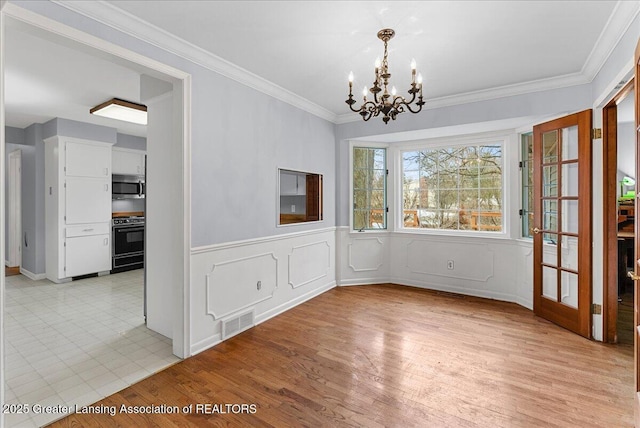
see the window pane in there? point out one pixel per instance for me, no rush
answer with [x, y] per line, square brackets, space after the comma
[527, 184]
[369, 188]
[458, 188]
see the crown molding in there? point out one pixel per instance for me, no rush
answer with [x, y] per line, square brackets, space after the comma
[621, 18]
[116, 18]
[617, 25]
[619, 22]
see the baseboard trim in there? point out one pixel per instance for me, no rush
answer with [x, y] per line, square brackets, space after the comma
[356, 282]
[31, 275]
[293, 303]
[457, 290]
[205, 344]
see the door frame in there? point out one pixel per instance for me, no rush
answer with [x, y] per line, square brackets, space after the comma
[182, 124]
[636, 283]
[14, 209]
[610, 213]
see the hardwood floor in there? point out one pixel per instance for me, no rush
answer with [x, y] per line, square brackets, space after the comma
[10, 271]
[387, 355]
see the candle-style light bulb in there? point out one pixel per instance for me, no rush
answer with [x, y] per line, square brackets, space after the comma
[364, 92]
[393, 91]
[419, 78]
[351, 77]
[377, 64]
[413, 70]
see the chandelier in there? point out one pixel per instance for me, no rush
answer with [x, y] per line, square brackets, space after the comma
[387, 103]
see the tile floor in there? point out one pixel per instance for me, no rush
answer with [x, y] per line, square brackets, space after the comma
[76, 343]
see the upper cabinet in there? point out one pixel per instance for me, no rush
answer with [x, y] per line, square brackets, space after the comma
[87, 159]
[292, 182]
[128, 161]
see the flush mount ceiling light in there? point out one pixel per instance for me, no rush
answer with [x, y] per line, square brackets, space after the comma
[387, 103]
[122, 110]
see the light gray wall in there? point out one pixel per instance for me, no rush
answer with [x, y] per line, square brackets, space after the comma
[73, 128]
[14, 140]
[237, 150]
[131, 142]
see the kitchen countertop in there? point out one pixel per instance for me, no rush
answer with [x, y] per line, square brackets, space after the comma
[127, 214]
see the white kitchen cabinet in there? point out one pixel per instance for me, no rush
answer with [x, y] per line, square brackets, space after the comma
[87, 251]
[292, 183]
[128, 161]
[87, 200]
[77, 207]
[85, 159]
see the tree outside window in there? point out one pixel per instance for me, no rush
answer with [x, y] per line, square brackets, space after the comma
[453, 188]
[369, 188]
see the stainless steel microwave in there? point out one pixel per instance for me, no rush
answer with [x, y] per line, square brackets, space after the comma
[127, 186]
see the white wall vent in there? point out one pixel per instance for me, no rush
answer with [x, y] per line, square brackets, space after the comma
[236, 324]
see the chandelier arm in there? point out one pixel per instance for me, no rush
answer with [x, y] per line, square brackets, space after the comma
[415, 111]
[369, 106]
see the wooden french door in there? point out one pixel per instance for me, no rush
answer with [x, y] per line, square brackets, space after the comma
[562, 221]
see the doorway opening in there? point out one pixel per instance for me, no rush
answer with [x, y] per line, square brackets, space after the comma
[619, 214]
[14, 213]
[172, 211]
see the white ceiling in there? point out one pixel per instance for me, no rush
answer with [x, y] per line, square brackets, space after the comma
[308, 48]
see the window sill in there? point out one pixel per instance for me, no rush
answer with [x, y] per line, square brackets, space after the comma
[459, 234]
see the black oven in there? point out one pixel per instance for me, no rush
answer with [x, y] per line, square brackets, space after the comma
[128, 244]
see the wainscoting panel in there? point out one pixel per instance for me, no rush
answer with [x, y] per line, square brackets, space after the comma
[308, 263]
[363, 258]
[482, 267]
[267, 276]
[238, 284]
[495, 268]
[472, 262]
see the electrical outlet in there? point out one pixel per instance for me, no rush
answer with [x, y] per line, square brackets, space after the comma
[293, 208]
[450, 264]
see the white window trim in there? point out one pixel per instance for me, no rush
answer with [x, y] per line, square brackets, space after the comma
[364, 144]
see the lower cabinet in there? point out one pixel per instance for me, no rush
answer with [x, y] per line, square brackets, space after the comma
[87, 249]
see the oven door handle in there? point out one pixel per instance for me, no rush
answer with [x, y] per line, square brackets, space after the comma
[140, 188]
[127, 229]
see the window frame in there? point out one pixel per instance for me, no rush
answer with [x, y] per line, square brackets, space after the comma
[387, 215]
[525, 167]
[504, 138]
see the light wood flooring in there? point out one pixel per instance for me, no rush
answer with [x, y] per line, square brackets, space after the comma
[11, 271]
[393, 356]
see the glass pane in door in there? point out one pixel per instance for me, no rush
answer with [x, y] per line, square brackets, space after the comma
[569, 288]
[550, 283]
[570, 252]
[550, 146]
[570, 143]
[570, 179]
